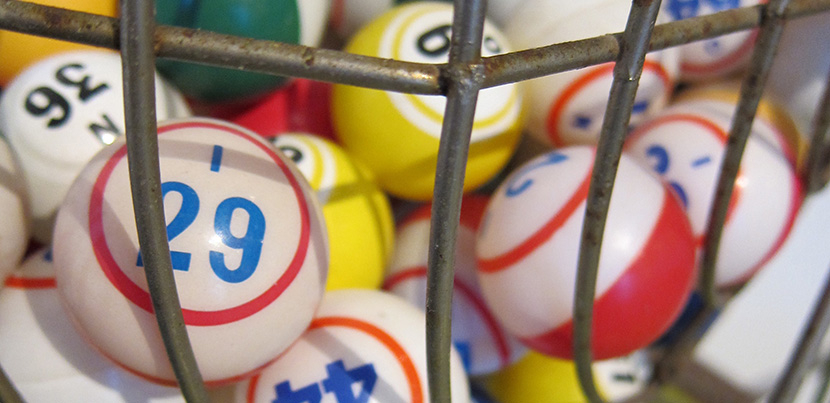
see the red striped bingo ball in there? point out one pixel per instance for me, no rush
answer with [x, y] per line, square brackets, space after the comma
[14, 232]
[248, 248]
[685, 145]
[716, 57]
[528, 245]
[362, 346]
[45, 357]
[567, 108]
[483, 343]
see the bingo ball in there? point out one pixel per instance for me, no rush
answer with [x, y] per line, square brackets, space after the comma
[287, 21]
[347, 16]
[58, 113]
[528, 244]
[14, 230]
[482, 342]
[568, 108]
[798, 76]
[362, 346]
[18, 51]
[397, 134]
[248, 249]
[357, 213]
[715, 57]
[45, 357]
[541, 379]
[685, 145]
[773, 124]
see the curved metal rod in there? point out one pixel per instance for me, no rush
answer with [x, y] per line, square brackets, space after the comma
[752, 88]
[143, 159]
[627, 72]
[8, 394]
[463, 82]
[806, 350]
[815, 175]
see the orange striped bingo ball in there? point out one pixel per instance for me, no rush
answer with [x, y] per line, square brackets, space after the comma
[714, 57]
[58, 113]
[358, 216]
[248, 250]
[362, 346]
[528, 244]
[568, 108]
[685, 145]
[15, 229]
[483, 344]
[44, 356]
[397, 134]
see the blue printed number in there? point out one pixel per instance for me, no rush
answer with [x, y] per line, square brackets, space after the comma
[250, 243]
[682, 9]
[339, 382]
[661, 165]
[517, 186]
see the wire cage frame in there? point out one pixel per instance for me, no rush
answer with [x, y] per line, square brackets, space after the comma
[139, 40]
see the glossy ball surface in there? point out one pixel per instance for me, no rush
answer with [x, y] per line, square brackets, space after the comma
[15, 228]
[358, 215]
[528, 246]
[58, 113]
[397, 134]
[363, 345]
[248, 248]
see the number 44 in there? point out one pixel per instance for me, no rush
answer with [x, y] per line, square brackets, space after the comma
[339, 382]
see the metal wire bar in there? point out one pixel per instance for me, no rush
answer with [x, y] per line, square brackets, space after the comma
[824, 387]
[807, 348]
[816, 163]
[464, 78]
[627, 71]
[8, 394]
[752, 88]
[145, 178]
[345, 68]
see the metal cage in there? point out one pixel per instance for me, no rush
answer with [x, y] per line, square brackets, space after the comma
[140, 41]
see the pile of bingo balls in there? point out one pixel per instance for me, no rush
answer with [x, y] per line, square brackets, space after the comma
[298, 212]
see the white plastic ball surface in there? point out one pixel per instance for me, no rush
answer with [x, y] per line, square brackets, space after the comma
[58, 113]
[567, 108]
[367, 345]
[45, 357]
[247, 241]
[14, 227]
[685, 145]
[482, 342]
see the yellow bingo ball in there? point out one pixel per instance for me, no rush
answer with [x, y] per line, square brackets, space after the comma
[397, 134]
[541, 379]
[19, 50]
[357, 213]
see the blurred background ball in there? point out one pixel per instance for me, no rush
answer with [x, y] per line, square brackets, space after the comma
[289, 21]
[482, 342]
[58, 113]
[527, 250]
[357, 213]
[19, 51]
[248, 249]
[362, 346]
[397, 134]
[568, 108]
[14, 228]
[685, 145]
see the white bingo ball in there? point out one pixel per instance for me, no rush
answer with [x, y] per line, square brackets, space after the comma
[45, 357]
[568, 108]
[362, 346]
[798, 77]
[715, 57]
[528, 244]
[482, 342]
[685, 144]
[58, 113]
[248, 248]
[14, 229]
